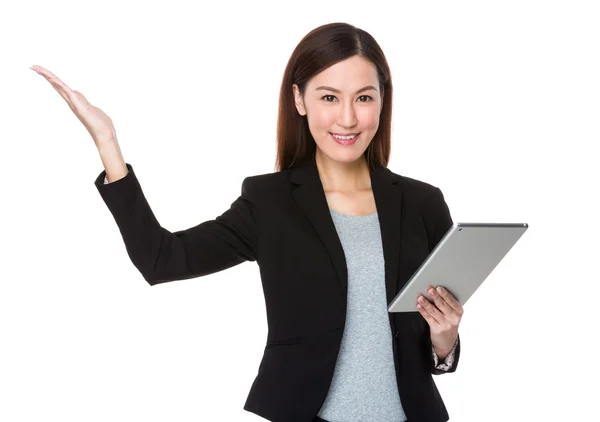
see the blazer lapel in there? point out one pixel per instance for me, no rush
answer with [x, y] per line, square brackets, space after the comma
[310, 196]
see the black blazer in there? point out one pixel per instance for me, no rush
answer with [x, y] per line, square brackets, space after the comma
[282, 221]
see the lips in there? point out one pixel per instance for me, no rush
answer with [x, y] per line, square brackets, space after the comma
[345, 141]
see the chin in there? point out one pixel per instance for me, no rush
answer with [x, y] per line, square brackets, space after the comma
[348, 156]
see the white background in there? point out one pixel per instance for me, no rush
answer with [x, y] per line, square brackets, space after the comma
[496, 103]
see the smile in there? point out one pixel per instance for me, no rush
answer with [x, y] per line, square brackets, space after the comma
[345, 140]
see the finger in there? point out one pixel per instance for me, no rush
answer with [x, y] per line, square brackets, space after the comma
[450, 299]
[62, 88]
[50, 76]
[75, 99]
[428, 317]
[440, 302]
[431, 309]
[63, 94]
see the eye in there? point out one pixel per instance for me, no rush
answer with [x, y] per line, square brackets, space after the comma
[333, 96]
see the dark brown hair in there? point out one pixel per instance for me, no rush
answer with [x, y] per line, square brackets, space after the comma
[319, 49]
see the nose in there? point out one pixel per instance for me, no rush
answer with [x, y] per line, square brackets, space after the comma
[347, 118]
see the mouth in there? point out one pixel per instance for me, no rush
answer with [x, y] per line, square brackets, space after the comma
[345, 140]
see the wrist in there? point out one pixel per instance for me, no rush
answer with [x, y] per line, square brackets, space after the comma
[112, 160]
[442, 353]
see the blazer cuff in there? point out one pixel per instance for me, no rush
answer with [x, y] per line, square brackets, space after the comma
[446, 365]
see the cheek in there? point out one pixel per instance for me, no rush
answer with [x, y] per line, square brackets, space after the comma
[369, 119]
[322, 119]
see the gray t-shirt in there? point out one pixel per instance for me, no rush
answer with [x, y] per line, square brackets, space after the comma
[364, 386]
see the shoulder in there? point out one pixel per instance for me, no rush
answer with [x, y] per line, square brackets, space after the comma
[431, 204]
[268, 179]
[415, 188]
[268, 183]
[426, 197]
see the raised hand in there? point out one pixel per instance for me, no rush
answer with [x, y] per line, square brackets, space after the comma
[97, 123]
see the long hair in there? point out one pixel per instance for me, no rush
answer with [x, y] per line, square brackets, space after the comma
[319, 49]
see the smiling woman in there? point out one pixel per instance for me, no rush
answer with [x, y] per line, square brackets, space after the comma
[350, 117]
[335, 233]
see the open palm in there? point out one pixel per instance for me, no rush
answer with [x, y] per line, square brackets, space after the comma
[97, 122]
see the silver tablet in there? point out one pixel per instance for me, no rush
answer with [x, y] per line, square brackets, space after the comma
[460, 262]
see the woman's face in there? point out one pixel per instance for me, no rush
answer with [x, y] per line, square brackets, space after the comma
[344, 99]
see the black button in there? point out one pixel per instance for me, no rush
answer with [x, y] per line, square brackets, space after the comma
[397, 332]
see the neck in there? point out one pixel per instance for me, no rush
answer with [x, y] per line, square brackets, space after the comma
[343, 177]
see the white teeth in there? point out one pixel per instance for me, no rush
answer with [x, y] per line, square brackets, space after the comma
[344, 137]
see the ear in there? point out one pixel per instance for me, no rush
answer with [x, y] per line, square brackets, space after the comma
[298, 100]
[382, 94]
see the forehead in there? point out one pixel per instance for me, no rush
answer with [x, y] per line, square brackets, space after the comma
[354, 72]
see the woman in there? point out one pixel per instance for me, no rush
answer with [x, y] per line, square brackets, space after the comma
[335, 234]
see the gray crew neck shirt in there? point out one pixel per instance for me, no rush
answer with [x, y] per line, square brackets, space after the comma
[364, 386]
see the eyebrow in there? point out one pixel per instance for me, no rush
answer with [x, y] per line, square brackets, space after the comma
[328, 88]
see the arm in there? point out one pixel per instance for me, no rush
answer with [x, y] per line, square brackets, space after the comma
[438, 220]
[161, 255]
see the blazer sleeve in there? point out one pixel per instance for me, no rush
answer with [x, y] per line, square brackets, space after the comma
[437, 220]
[448, 361]
[161, 255]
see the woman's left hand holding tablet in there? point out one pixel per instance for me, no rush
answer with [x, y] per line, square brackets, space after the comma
[443, 317]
